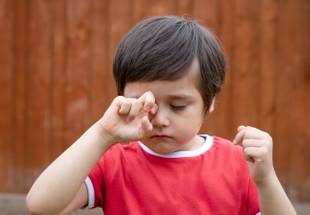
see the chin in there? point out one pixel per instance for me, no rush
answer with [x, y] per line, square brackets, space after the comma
[163, 150]
[161, 146]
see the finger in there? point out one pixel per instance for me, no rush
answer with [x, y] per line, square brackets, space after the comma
[135, 108]
[241, 127]
[125, 106]
[248, 132]
[148, 100]
[253, 143]
[239, 136]
[146, 124]
[118, 101]
[257, 154]
[254, 133]
[154, 109]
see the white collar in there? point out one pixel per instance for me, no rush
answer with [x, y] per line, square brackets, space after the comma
[181, 154]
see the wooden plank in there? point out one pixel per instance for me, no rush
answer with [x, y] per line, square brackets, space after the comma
[300, 155]
[16, 163]
[292, 99]
[6, 89]
[58, 51]
[150, 8]
[119, 21]
[38, 118]
[77, 110]
[223, 114]
[102, 83]
[206, 12]
[245, 64]
[184, 8]
[285, 91]
[138, 11]
[142, 9]
[267, 78]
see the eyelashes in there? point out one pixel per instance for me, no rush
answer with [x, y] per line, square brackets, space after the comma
[177, 107]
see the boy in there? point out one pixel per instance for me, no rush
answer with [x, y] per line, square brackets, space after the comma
[167, 71]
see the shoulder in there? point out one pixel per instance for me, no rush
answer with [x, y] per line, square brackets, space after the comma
[231, 154]
[226, 145]
[119, 152]
[121, 148]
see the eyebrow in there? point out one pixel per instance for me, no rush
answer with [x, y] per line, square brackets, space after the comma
[180, 97]
[171, 97]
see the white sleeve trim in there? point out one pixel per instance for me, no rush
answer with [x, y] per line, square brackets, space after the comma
[91, 192]
[258, 213]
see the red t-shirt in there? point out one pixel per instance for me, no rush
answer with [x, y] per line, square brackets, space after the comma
[213, 179]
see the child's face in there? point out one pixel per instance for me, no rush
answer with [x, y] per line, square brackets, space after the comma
[180, 112]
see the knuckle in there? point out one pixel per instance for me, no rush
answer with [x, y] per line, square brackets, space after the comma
[246, 151]
[149, 93]
[268, 136]
[150, 96]
[127, 102]
[118, 99]
[246, 132]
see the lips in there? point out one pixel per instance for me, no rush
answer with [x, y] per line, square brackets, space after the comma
[160, 136]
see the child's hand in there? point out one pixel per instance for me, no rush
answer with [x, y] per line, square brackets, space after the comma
[128, 119]
[257, 148]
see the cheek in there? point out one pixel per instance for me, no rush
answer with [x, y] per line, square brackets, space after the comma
[195, 115]
[190, 122]
[186, 130]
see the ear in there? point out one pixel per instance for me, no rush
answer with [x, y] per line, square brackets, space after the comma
[211, 108]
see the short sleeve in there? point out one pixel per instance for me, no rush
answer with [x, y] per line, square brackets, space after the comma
[95, 185]
[250, 203]
[252, 199]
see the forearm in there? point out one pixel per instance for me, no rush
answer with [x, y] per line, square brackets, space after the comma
[273, 199]
[58, 184]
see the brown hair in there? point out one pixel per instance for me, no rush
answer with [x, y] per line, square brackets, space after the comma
[163, 48]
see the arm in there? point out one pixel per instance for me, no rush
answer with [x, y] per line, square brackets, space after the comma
[272, 198]
[59, 183]
[56, 191]
[257, 147]
[79, 201]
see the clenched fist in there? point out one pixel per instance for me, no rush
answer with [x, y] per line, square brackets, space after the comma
[257, 148]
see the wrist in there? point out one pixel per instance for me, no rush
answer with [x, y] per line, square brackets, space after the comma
[106, 138]
[268, 180]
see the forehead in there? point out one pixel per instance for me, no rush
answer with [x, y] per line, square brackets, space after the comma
[187, 86]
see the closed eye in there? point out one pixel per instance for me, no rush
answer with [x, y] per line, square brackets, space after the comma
[178, 107]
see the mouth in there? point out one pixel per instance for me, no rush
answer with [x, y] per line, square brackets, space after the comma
[160, 136]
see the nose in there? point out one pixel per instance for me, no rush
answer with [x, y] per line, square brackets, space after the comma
[160, 118]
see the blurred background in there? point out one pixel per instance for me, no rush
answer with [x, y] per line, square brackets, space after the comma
[56, 78]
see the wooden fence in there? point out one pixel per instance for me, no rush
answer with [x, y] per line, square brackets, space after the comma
[56, 80]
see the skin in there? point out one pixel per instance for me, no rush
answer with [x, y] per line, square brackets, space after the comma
[176, 105]
[166, 116]
[257, 148]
